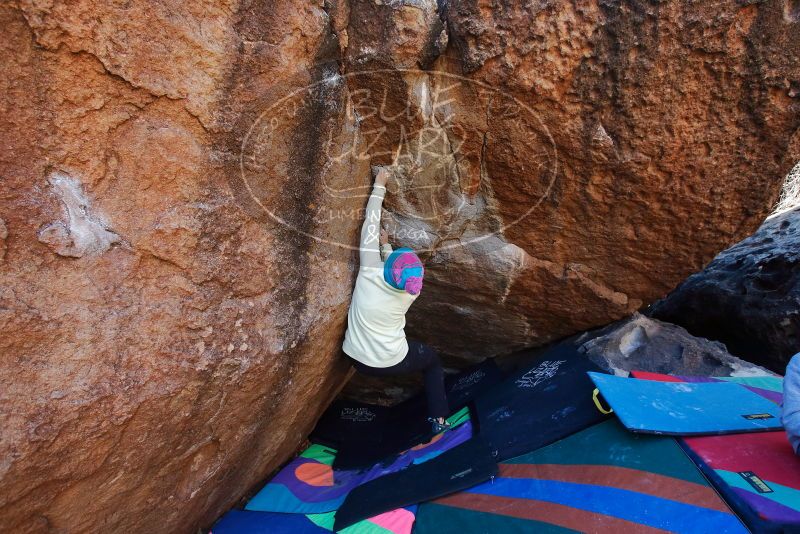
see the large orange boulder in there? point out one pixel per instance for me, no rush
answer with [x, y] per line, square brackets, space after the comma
[611, 149]
[163, 349]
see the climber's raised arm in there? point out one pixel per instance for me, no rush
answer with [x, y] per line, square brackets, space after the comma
[369, 246]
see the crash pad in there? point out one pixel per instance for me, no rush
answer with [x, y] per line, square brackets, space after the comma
[768, 386]
[244, 522]
[365, 434]
[349, 423]
[757, 473]
[459, 468]
[549, 398]
[602, 479]
[464, 386]
[680, 408]
[398, 521]
[310, 484]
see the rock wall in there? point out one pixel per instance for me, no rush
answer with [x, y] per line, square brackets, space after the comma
[162, 349]
[183, 184]
[748, 297]
[656, 132]
[641, 343]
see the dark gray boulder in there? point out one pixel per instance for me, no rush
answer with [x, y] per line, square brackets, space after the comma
[748, 297]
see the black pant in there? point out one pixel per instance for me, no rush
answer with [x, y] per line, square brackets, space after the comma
[420, 357]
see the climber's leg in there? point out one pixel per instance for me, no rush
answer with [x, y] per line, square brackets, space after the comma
[428, 361]
[420, 358]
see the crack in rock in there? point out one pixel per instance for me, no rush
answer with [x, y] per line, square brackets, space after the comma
[3, 237]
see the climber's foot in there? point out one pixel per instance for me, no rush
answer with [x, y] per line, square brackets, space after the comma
[439, 424]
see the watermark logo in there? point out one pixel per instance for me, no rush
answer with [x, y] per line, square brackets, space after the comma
[541, 373]
[449, 142]
[360, 415]
[468, 381]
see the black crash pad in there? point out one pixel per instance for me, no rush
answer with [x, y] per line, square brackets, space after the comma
[365, 434]
[548, 399]
[454, 470]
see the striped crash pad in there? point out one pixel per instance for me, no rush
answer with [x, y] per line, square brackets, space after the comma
[398, 521]
[310, 485]
[603, 479]
[758, 474]
[687, 409]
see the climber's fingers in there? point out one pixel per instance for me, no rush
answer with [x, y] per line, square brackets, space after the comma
[382, 177]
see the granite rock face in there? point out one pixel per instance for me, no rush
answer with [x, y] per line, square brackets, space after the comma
[162, 349]
[640, 343]
[651, 134]
[183, 187]
[748, 297]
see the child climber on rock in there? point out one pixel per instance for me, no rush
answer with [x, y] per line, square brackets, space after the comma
[388, 283]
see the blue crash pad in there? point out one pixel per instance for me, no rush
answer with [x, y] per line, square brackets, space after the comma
[686, 409]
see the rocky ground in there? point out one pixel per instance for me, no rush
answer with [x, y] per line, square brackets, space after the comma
[182, 186]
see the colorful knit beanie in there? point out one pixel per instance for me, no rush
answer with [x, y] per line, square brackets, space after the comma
[403, 270]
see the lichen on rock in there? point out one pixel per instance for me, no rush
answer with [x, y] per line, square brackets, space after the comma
[81, 232]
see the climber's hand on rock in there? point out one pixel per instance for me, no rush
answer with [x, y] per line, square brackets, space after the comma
[384, 237]
[382, 177]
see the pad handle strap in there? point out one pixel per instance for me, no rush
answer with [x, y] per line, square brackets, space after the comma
[599, 403]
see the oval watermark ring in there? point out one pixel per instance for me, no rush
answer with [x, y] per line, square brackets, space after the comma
[267, 120]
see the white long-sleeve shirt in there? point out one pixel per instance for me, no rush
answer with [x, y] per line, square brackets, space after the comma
[375, 323]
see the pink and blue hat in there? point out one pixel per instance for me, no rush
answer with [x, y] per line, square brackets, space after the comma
[403, 270]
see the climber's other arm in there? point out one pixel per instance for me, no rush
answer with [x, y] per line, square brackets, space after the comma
[386, 248]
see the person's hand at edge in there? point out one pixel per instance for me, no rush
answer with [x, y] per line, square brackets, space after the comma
[382, 177]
